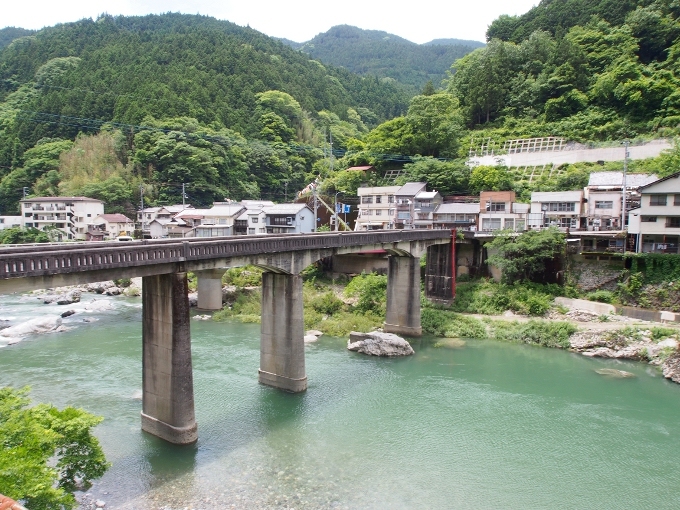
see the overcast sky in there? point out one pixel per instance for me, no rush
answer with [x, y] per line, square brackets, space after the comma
[298, 20]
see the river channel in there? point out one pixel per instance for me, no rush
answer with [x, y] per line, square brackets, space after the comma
[488, 425]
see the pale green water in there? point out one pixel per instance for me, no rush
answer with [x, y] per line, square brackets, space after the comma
[486, 426]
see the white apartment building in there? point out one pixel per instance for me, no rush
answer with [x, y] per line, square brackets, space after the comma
[656, 223]
[69, 215]
[561, 209]
[377, 210]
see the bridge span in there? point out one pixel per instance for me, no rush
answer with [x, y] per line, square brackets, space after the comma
[167, 381]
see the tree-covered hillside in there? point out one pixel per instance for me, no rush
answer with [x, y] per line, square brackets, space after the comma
[8, 34]
[184, 98]
[377, 53]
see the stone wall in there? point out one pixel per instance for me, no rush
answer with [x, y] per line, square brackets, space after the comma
[591, 275]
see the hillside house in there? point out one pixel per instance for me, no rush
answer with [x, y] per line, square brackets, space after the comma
[655, 225]
[70, 216]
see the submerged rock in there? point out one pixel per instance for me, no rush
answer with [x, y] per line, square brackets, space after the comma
[450, 343]
[378, 343]
[33, 327]
[617, 374]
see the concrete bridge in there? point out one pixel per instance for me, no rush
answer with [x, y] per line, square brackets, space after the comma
[167, 381]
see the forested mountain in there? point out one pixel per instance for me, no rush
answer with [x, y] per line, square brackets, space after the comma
[8, 34]
[377, 53]
[455, 42]
[183, 99]
[554, 15]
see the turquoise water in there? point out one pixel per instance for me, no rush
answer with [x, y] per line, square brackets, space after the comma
[488, 425]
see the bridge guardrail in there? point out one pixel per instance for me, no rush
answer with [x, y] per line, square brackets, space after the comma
[34, 261]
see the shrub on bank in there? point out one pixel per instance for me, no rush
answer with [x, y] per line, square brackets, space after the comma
[538, 332]
[490, 298]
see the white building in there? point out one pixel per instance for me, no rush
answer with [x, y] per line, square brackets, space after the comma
[253, 220]
[656, 223]
[110, 226]
[69, 215]
[459, 215]
[289, 219]
[377, 210]
[562, 209]
[9, 222]
[219, 220]
[499, 211]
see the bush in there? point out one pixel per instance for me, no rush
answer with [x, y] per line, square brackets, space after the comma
[489, 298]
[246, 308]
[328, 303]
[246, 276]
[123, 282]
[544, 333]
[371, 290]
[602, 296]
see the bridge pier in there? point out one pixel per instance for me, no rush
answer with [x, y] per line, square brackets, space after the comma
[210, 289]
[403, 296]
[282, 346]
[167, 379]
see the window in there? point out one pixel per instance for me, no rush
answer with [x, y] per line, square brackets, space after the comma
[495, 206]
[390, 199]
[378, 212]
[559, 206]
[255, 220]
[390, 212]
[251, 231]
[509, 223]
[28, 214]
[607, 204]
[491, 224]
[378, 199]
[89, 215]
[648, 219]
[657, 200]
[403, 215]
[676, 200]
[366, 200]
[673, 222]
[29, 225]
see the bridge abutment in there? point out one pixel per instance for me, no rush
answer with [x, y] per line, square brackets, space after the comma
[167, 379]
[210, 289]
[282, 346]
[403, 296]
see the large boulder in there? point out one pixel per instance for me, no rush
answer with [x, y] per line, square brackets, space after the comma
[65, 298]
[35, 326]
[377, 343]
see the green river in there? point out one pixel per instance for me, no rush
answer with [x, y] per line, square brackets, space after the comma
[488, 425]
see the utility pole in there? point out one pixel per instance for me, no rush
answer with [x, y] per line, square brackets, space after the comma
[184, 196]
[625, 170]
[315, 206]
[285, 186]
[141, 195]
[330, 137]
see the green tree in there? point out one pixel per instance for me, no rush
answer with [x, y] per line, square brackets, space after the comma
[18, 235]
[436, 124]
[490, 178]
[47, 454]
[525, 256]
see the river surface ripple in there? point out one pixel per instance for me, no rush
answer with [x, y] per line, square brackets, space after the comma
[488, 425]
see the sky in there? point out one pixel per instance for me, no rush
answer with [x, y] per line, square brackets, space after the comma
[297, 20]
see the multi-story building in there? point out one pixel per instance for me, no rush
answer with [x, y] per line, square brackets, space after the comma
[655, 225]
[405, 199]
[603, 198]
[218, 220]
[289, 219]
[163, 214]
[9, 222]
[67, 216]
[460, 215]
[425, 203]
[561, 209]
[253, 220]
[499, 211]
[377, 208]
[109, 226]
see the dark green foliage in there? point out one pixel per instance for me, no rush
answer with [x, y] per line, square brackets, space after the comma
[18, 235]
[246, 276]
[602, 296]
[444, 323]
[378, 53]
[525, 257]
[328, 303]
[488, 298]
[370, 289]
[45, 451]
[544, 333]
[8, 34]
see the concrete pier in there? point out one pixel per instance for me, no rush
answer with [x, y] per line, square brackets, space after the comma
[167, 380]
[282, 346]
[403, 296]
[210, 289]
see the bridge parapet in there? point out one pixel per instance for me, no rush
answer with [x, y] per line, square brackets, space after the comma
[36, 261]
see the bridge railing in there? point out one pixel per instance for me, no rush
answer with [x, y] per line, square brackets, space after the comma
[19, 262]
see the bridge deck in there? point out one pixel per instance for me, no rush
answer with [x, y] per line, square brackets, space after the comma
[65, 258]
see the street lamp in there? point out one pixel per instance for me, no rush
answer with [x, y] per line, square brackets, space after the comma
[336, 208]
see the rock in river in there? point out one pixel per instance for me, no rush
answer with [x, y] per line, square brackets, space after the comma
[377, 343]
[612, 372]
[34, 326]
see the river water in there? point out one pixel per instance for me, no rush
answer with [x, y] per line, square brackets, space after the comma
[488, 425]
